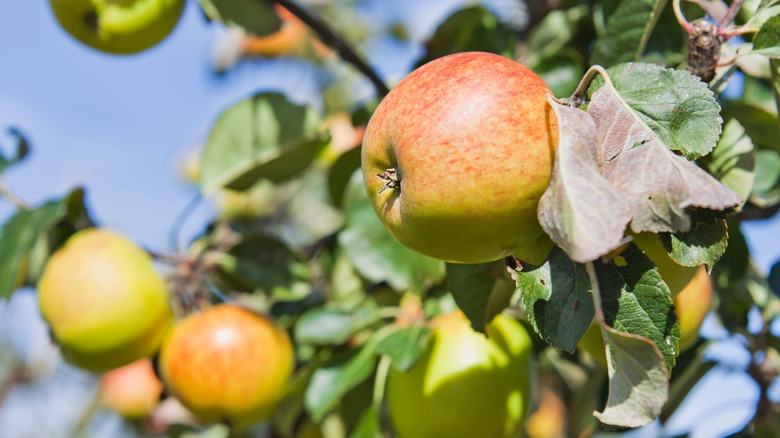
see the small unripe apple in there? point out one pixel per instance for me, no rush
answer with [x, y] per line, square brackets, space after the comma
[118, 26]
[132, 391]
[457, 155]
[465, 384]
[692, 305]
[227, 364]
[103, 300]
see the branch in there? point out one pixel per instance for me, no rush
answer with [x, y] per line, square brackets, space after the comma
[335, 42]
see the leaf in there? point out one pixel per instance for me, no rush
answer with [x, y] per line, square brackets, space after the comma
[481, 291]
[404, 346]
[704, 243]
[340, 173]
[636, 301]
[551, 35]
[766, 187]
[22, 150]
[766, 10]
[558, 300]
[733, 159]
[638, 380]
[255, 17]
[375, 253]
[368, 425]
[331, 326]
[258, 262]
[265, 136]
[580, 210]
[767, 40]
[678, 107]
[18, 238]
[627, 32]
[760, 125]
[331, 381]
[658, 184]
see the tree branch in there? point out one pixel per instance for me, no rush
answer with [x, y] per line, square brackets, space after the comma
[337, 43]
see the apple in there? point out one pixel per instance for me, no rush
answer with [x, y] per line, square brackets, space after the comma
[293, 35]
[118, 26]
[465, 384]
[227, 364]
[457, 155]
[104, 302]
[132, 391]
[692, 305]
[675, 275]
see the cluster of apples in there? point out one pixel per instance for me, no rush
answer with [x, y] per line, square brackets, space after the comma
[109, 310]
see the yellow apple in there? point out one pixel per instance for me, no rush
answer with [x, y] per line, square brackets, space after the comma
[465, 384]
[675, 275]
[118, 26]
[456, 157]
[227, 364]
[103, 300]
[132, 391]
[692, 305]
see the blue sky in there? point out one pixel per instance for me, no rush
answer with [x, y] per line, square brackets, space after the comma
[120, 125]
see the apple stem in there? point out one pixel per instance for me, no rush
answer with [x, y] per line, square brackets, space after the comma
[335, 42]
[578, 96]
[596, 292]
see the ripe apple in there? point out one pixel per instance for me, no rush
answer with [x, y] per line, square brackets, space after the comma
[465, 384]
[456, 157]
[293, 35]
[675, 275]
[118, 26]
[227, 364]
[103, 300]
[692, 305]
[132, 391]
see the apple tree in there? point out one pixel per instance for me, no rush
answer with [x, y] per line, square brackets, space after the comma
[521, 237]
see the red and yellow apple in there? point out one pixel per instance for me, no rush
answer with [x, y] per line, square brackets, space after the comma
[465, 384]
[227, 364]
[103, 300]
[118, 26]
[132, 391]
[457, 155]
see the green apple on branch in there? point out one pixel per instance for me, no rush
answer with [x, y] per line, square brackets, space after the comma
[118, 26]
[456, 158]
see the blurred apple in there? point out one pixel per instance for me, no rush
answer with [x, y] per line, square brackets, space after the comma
[103, 300]
[550, 417]
[118, 26]
[132, 391]
[456, 158]
[465, 384]
[227, 364]
[692, 305]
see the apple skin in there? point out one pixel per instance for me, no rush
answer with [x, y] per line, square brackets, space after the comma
[103, 300]
[227, 364]
[464, 385]
[472, 139]
[692, 305]
[132, 391]
[118, 26]
[674, 275]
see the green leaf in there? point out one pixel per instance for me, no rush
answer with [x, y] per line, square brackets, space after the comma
[255, 17]
[659, 184]
[368, 425]
[21, 151]
[638, 380]
[562, 72]
[733, 160]
[331, 381]
[332, 326]
[767, 40]
[551, 35]
[404, 346]
[340, 173]
[558, 300]
[375, 253]
[765, 11]
[627, 32]
[581, 211]
[704, 243]
[265, 136]
[760, 125]
[19, 236]
[679, 108]
[481, 291]
[766, 187]
[636, 301]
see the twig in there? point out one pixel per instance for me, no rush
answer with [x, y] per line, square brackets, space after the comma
[178, 223]
[12, 198]
[336, 42]
[595, 291]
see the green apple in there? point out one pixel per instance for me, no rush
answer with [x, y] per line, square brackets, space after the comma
[103, 300]
[132, 391]
[118, 26]
[456, 157]
[227, 364]
[465, 384]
